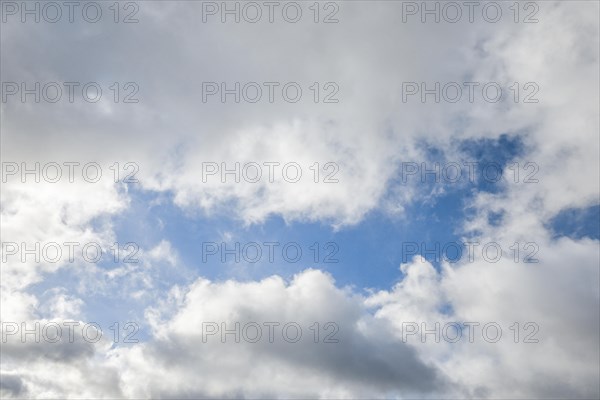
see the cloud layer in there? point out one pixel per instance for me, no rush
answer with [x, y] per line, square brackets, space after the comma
[171, 134]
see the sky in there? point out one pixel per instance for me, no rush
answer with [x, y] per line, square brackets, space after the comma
[352, 199]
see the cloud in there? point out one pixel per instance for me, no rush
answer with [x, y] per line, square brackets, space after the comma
[30, 363]
[171, 133]
[11, 386]
[558, 297]
[364, 358]
[181, 360]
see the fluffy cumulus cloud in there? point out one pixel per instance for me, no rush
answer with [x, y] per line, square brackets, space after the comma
[355, 342]
[195, 338]
[196, 349]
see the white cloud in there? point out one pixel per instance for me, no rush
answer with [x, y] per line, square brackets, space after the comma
[170, 133]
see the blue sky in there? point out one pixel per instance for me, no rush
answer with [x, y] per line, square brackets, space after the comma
[369, 253]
